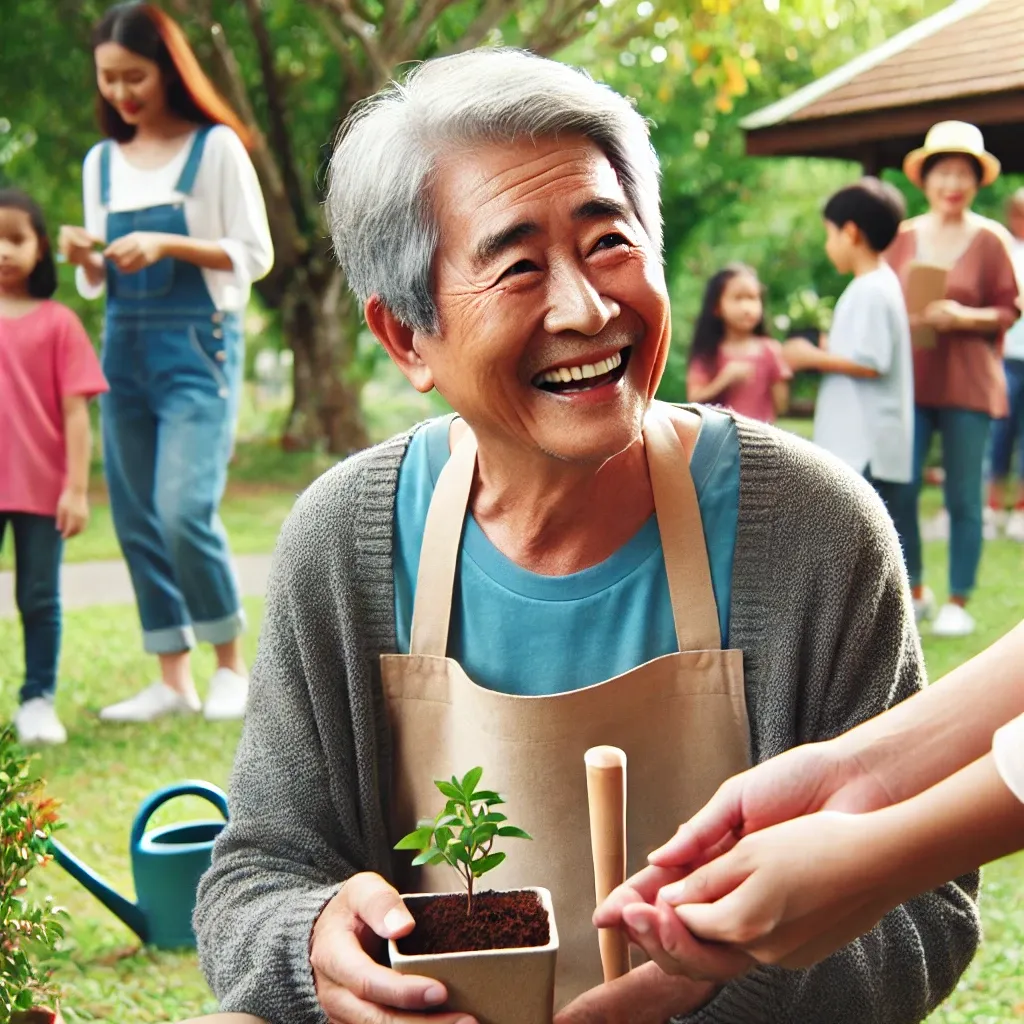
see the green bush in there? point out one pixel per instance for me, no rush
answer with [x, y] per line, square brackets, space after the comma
[29, 931]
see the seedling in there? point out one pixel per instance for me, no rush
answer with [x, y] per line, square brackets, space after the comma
[463, 834]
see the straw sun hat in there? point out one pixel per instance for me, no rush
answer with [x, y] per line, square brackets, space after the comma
[952, 137]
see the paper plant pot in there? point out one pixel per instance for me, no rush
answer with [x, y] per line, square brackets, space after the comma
[496, 986]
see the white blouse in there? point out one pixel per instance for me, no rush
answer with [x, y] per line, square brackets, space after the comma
[226, 206]
[1008, 748]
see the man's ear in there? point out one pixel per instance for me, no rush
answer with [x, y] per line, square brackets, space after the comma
[399, 343]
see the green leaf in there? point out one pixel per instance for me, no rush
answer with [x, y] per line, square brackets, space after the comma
[481, 833]
[469, 782]
[418, 840]
[495, 816]
[487, 796]
[446, 819]
[485, 864]
[459, 850]
[431, 856]
[512, 832]
[450, 791]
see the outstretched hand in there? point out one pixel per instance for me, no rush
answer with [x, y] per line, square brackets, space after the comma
[803, 781]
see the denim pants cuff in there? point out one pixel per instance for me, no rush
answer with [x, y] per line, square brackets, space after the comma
[221, 631]
[33, 691]
[173, 640]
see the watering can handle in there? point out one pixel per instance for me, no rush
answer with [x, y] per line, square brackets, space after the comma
[193, 787]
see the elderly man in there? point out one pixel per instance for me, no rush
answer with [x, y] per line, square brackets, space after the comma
[596, 568]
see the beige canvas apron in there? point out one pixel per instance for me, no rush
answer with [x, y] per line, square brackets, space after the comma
[681, 719]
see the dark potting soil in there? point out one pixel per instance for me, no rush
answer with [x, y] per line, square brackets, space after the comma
[500, 920]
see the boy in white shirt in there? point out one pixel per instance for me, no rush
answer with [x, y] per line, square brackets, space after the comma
[865, 408]
[1008, 433]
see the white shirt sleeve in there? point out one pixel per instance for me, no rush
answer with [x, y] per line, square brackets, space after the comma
[1008, 750]
[872, 337]
[246, 237]
[95, 218]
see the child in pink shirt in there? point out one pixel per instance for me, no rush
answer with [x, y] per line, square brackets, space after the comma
[732, 360]
[48, 372]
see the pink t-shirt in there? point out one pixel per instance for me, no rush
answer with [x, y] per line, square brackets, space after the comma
[45, 356]
[753, 397]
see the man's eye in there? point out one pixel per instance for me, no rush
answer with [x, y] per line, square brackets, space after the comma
[611, 241]
[522, 267]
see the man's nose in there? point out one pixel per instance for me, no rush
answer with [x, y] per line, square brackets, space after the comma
[574, 304]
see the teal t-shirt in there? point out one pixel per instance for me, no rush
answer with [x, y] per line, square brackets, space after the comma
[519, 632]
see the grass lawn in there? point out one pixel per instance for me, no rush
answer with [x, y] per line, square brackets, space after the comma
[105, 771]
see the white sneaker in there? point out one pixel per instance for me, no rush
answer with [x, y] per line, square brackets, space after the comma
[992, 521]
[924, 606]
[229, 693]
[37, 722]
[936, 528]
[953, 620]
[1015, 526]
[152, 703]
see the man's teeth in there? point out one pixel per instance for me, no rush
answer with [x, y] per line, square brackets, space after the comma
[565, 374]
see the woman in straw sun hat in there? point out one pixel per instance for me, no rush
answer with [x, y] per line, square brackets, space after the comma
[959, 383]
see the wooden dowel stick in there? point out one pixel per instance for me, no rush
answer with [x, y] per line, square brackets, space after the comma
[606, 793]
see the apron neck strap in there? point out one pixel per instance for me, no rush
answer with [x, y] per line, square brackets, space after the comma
[439, 553]
[694, 610]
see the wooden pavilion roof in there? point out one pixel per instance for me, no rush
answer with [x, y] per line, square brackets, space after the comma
[965, 63]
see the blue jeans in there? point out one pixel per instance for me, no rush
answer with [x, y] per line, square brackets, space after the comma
[1010, 431]
[964, 439]
[168, 431]
[38, 548]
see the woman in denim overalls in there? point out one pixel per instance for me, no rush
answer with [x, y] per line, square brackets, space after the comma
[173, 197]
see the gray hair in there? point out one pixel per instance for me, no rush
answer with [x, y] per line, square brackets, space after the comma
[378, 203]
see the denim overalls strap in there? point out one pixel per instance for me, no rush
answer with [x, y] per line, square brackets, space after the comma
[168, 288]
[187, 179]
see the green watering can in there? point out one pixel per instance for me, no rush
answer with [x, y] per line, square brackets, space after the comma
[167, 864]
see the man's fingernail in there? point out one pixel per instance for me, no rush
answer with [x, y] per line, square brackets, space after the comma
[641, 925]
[435, 995]
[396, 919]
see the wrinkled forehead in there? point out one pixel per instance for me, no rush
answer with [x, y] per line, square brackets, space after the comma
[534, 183]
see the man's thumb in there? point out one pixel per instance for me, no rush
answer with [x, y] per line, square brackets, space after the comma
[379, 905]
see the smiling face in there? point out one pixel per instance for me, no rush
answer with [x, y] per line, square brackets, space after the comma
[20, 249]
[951, 185]
[133, 85]
[552, 302]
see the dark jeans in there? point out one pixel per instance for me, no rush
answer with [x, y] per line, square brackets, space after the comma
[897, 498]
[38, 548]
[1009, 432]
[965, 435]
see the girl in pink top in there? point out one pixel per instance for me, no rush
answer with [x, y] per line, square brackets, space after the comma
[48, 372]
[732, 361]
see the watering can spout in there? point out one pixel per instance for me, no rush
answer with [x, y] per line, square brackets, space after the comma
[128, 912]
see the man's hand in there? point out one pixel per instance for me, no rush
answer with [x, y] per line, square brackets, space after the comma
[136, 251]
[644, 996]
[72, 513]
[351, 986]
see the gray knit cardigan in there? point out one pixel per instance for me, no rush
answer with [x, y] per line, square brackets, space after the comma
[820, 608]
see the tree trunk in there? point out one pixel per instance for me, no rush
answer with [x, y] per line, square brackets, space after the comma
[319, 322]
